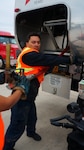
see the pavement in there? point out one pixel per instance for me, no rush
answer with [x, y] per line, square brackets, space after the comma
[48, 106]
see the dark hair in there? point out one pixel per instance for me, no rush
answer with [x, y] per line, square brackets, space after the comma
[32, 34]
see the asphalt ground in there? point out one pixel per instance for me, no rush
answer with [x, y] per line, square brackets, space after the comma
[48, 106]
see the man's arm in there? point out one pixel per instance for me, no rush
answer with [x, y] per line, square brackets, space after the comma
[40, 59]
[7, 102]
[20, 87]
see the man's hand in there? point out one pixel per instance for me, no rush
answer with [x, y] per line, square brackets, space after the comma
[15, 82]
[75, 57]
[22, 84]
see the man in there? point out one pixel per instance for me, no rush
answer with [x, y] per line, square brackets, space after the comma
[20, 90]
[34, 63]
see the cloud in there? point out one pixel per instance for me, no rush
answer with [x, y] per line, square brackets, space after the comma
[7, 15]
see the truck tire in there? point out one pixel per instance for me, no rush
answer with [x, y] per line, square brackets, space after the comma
[2, 64]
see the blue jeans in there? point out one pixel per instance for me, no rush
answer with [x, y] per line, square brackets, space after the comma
[23, 114]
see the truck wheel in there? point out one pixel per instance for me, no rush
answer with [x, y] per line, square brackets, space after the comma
[2, 65]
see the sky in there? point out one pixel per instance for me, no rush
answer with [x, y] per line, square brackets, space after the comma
[7, 15]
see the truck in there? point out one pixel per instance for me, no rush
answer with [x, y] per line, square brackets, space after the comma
[8, 38]
[61, 26]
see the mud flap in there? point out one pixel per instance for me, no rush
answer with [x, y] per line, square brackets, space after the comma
[75, 140]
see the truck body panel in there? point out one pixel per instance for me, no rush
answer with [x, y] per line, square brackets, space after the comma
[61, 25]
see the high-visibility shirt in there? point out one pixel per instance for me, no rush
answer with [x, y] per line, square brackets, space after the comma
[30, 70]
[1, 133]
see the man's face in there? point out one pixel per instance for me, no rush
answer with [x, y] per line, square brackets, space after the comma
[34, 42]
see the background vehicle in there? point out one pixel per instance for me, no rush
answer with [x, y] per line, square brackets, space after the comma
[61, 25]
[8, 38]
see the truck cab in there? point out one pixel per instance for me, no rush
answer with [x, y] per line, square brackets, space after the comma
[8, 38]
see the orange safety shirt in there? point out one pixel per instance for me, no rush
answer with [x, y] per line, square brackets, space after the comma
[1, 133]
[29, 70]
